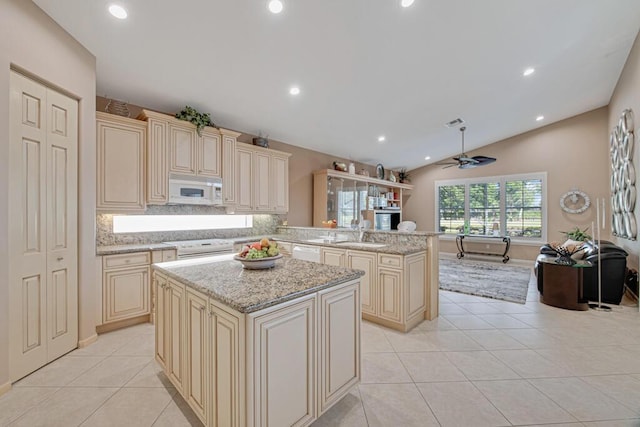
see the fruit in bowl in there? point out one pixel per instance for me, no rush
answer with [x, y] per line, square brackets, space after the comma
[330, 223]
[258, 250]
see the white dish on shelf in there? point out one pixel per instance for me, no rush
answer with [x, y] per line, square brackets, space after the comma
[407, 226]
[258, 264]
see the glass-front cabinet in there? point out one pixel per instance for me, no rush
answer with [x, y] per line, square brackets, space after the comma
[347, 199]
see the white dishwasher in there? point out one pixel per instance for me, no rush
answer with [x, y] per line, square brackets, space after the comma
[306, 253]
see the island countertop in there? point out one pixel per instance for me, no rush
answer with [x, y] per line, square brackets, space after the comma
[246, 291]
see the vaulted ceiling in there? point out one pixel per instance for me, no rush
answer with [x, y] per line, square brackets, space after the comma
[365, 68]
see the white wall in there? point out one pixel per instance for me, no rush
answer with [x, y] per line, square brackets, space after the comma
[30, 40]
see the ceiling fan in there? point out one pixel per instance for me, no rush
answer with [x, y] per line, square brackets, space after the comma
[465, 162]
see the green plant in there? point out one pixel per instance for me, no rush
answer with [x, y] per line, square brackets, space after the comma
[403, 175]
[201, 120]
[577, 234]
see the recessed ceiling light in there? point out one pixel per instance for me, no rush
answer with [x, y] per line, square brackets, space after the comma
[118, 11]
[539, 118]
[428, 158]
[381, 138]
[528, 71]
[406, 3]
[275, 6]
[295, 90]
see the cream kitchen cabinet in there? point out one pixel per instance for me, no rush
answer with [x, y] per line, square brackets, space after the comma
[174, 146]
[333, 256]
[120, 163]
[280, 366]
[368, 262]
[125, 286]
[262, 180]
[400, 291]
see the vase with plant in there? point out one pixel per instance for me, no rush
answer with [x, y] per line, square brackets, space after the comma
[201, 120]
[576, 234]
[403, 175]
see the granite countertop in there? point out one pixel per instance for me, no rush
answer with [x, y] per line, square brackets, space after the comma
[388, 248]
[124, 249]
[246, 291]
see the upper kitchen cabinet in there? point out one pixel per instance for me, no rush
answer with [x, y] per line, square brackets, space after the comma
[120, 161]
[262, 180]
[174, 146]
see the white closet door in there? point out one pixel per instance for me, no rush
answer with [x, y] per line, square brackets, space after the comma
[62, 234]
[42, 215]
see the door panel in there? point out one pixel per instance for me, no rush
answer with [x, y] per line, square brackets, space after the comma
[262, 182]
[62, 234]
[182, 143]
[209, 153]
[390, 282]
[27, 234]
[197, 341]
[243, 181]
[368, 282]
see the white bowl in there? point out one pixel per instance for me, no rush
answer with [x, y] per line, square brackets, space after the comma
[258, 264]
[407, 226]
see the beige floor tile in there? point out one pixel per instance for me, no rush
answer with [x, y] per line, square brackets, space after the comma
[523, 404]
[132, 407]
[69, 406]
[106, 345]
[177, 414]
[576, 424]
[480, 365]
[581, 400]
[430, 367]
[374, 340]
[112, 372]
[534, 338]
[451, 308]
[623, 388]
[529, 364]
[503, 321]
[613, 423]
[383, 368]
[467, 321]
[461, 404]
[348, 412]
[458, 297]
[150, 376]
[490, 339]
[479, 308]
[19, 400]
[414, 340]
[437, 324]
[141, 345]
[395, 405]
[60, 372]
[510, 307]
[450, 341]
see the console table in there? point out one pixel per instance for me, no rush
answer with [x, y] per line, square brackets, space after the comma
[563, 284]
[462, 251]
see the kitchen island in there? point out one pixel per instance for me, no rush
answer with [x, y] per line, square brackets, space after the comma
[274, 347]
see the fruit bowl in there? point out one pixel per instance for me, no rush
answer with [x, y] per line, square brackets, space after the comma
[258, 263]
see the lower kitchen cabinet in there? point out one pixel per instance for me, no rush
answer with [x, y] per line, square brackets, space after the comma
[332, 256]
[393, 289]
[125, 286]
[281, 366]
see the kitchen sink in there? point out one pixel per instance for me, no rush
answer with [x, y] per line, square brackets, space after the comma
[319, 240]
[362, 244]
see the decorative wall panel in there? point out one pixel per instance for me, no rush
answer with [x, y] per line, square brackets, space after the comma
[623, 178]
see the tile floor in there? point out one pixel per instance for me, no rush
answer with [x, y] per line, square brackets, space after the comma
[483, 362]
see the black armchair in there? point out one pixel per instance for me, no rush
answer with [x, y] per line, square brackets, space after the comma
[614, 266]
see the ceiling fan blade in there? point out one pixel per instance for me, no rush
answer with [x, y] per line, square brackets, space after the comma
[450, 165]
[446, 163]
[467, 165]
[484, 160]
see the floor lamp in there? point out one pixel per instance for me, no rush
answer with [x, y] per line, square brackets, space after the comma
[600, 213]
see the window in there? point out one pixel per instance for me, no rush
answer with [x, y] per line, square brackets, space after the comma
[508, 205]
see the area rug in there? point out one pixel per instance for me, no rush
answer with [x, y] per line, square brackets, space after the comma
[485, 279]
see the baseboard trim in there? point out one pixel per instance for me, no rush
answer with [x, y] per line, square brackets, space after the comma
[5, 388]
[108, 327]
[88, 341]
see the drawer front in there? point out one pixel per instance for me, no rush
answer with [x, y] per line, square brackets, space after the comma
[386, 260]
[126, 260]
[169, 255]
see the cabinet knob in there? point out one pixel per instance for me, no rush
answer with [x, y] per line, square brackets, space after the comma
[60, 258]
[127, 261]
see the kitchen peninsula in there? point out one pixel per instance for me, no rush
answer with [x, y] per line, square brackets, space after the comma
[258, 347]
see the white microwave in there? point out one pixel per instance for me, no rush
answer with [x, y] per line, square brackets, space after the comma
[194, 190]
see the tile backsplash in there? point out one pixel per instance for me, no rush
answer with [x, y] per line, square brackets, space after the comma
[262, 224]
